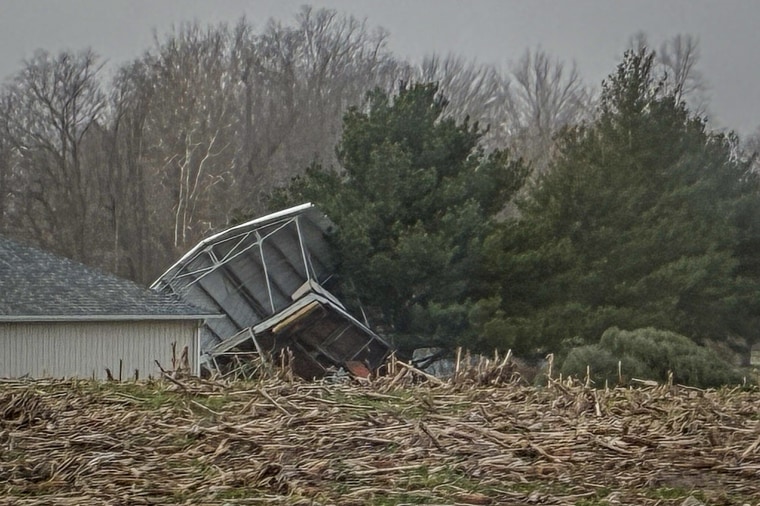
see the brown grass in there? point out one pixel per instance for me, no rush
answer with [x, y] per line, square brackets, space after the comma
[481, 438]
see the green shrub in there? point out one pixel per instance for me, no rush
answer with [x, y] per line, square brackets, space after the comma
[601, 363]
[649, 353]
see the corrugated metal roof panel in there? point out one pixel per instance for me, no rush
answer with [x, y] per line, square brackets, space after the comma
[251, 271]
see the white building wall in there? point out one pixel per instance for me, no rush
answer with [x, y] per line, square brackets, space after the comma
[86, 349]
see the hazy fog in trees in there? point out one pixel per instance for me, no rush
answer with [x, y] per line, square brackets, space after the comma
[127, 173]
[677, 59]
[53, 115]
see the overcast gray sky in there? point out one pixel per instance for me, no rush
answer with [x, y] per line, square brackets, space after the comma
[594, 33]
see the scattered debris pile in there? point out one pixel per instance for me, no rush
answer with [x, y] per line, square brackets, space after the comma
[478, 438]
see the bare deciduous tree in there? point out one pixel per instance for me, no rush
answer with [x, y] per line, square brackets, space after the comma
[190, 125]
[751, 148]
[127, 182]
[679, 57]
[6, 190]
[677, 61]
[210, 120]
[299, 80]
[545, 97]
[55, 103]
[171, 145]
[475, 91]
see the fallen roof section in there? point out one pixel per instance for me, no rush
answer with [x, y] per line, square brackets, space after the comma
[320, 333]
[250, 271]
[268, 277]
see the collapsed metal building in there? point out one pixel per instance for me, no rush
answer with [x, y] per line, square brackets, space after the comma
[269, 278]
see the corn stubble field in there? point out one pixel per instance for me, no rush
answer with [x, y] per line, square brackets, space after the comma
[482, 437]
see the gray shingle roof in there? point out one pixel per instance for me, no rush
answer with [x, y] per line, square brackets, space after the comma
[39, 286]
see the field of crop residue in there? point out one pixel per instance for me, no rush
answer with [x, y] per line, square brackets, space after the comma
[401, 439]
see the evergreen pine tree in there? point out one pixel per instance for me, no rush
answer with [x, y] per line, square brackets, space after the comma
[413, 199]
[646, 219]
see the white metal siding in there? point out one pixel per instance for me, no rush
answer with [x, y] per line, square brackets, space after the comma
[86, 349]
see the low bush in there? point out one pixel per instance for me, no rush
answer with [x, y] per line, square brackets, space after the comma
[650, 354]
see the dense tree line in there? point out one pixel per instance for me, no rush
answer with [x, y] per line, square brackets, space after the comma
[126, 172]
[643, 219]
[515, 208]
[126, 175]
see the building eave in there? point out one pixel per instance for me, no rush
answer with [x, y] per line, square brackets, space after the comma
[100, 318]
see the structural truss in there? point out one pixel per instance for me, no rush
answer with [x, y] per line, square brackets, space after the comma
[269, 278]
